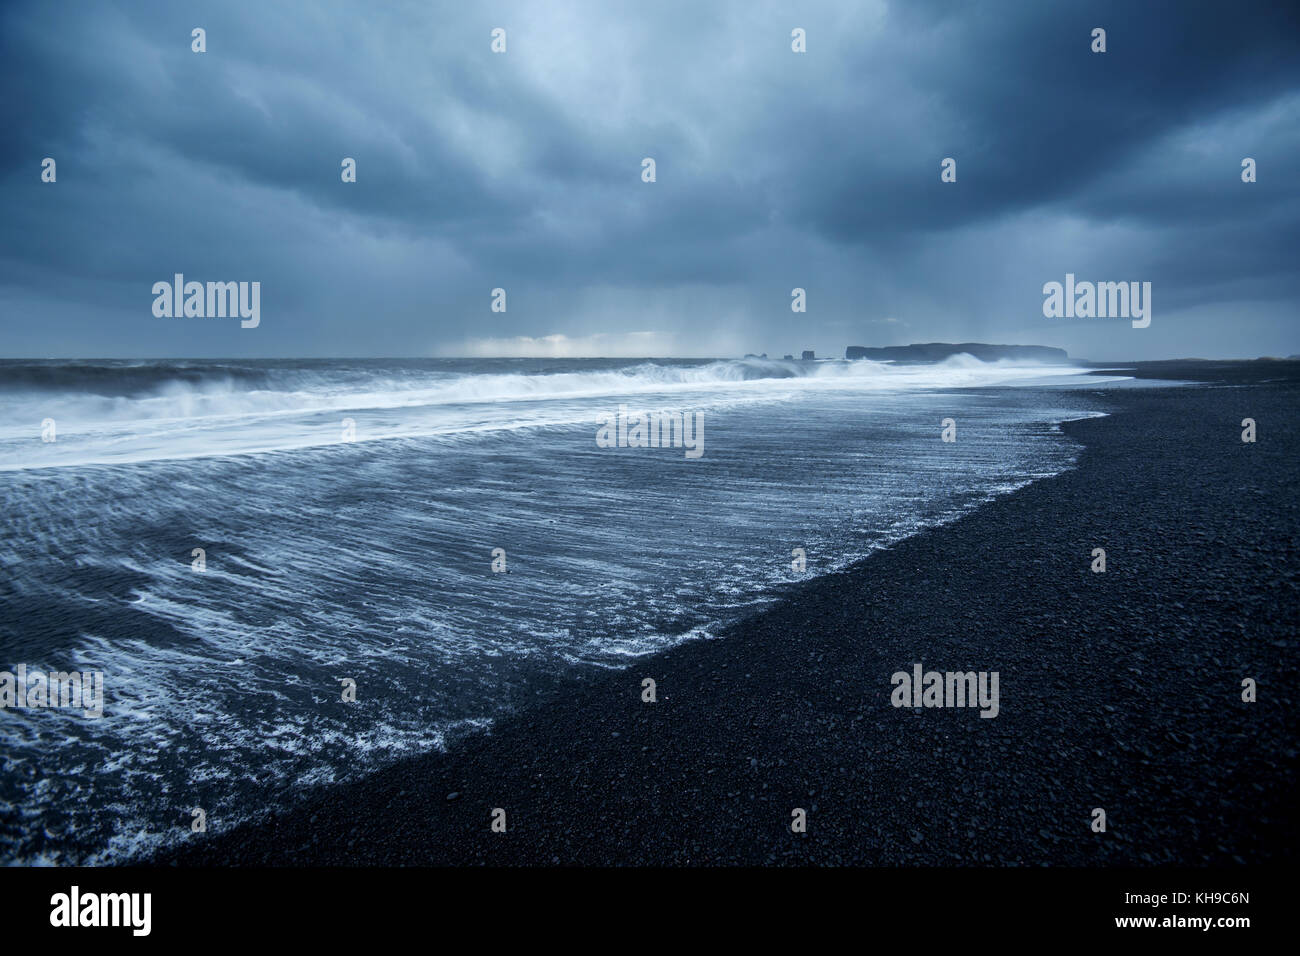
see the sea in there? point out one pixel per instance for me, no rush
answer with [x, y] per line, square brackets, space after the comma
[238, 546]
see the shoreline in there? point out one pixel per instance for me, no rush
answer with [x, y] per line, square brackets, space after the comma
[1118, 690]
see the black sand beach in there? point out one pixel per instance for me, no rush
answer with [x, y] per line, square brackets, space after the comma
[1119, 690]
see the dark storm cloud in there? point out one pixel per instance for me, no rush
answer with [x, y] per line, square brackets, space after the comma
[522, 170]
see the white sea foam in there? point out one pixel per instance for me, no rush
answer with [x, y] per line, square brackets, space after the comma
[372, 562]
[222, 415]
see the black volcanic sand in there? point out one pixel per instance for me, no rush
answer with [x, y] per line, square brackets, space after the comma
[1119, 690]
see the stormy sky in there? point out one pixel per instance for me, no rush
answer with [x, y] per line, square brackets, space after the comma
[523, 170]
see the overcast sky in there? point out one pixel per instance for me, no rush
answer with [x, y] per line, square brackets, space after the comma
[522, 170]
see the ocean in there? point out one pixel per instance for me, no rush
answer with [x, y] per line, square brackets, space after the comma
[232, 542]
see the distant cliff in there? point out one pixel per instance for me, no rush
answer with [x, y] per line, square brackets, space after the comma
[938, 351]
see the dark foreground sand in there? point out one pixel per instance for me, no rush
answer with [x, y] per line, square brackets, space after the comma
[1119, 690]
